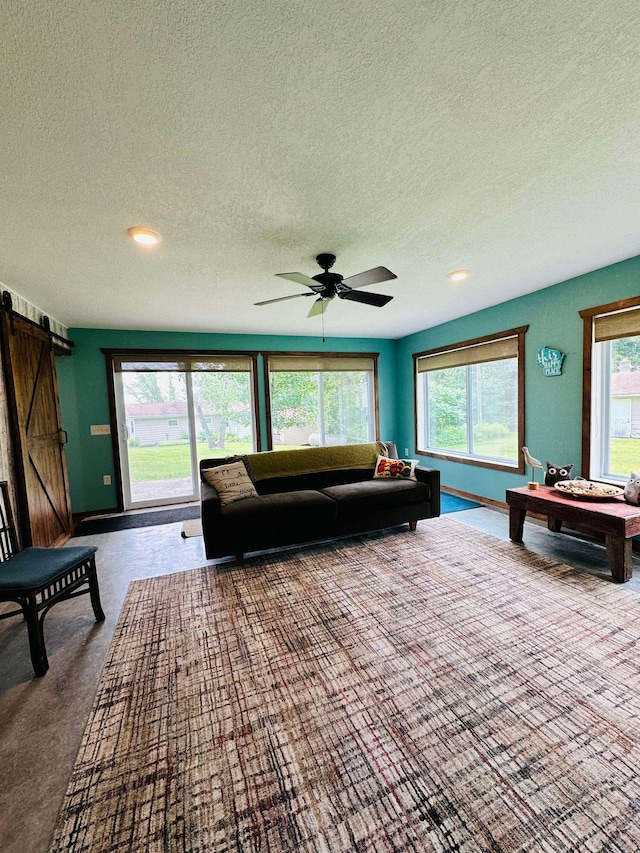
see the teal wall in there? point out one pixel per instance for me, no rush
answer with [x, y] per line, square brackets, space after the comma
[553, 405]
[82, 381]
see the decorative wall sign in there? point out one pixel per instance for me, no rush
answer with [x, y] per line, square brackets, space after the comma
[550, 360]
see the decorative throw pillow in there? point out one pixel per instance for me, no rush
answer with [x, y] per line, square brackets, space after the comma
[401, 468]
[232, 482]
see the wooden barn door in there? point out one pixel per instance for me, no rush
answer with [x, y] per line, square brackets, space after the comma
[32, 395]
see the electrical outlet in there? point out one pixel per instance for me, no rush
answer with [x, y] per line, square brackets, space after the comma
[106, 480]
[406, 451]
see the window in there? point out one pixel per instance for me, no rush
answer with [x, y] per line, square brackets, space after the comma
[611, 399]
[172, 422]
[321, 399]
[470, 401]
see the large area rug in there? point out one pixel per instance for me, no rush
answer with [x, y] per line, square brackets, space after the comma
[432, 691]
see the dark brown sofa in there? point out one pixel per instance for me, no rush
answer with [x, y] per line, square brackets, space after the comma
[313, 493]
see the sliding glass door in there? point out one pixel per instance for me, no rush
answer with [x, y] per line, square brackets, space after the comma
[174, 410]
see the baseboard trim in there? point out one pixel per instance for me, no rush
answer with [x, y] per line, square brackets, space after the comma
[476, 498]
[77, 517]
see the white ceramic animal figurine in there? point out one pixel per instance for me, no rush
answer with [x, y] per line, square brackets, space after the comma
[532, 462]
[632, 489]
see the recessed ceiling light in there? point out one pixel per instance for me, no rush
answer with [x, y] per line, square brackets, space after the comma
[144, 236]
[459, 275]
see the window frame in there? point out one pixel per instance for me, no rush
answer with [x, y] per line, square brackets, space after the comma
[373, 356]
[112, 354]
[589, 317]
[468, 459]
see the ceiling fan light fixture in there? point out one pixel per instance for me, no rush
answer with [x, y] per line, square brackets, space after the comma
[326, 285]
[459, 275]
[144, 236]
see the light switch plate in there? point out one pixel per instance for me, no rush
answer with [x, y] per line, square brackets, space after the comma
[100, 429]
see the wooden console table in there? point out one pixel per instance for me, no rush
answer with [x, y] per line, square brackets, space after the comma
[618, 520]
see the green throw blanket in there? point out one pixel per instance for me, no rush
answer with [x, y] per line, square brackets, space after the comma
[308, 460]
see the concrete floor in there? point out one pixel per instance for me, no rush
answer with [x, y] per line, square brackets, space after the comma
[42, 719]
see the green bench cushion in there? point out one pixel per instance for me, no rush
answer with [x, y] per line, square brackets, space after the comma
[36, 567]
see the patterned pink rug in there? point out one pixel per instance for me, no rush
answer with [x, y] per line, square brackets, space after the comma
[431, 691]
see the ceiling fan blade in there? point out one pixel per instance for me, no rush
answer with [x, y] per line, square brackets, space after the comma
[369, 277]
[318, 307]
[298, 277]
[376, 299]
[282, 298]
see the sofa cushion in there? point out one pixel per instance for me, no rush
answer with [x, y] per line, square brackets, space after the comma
[377, 494]
[289, 510]
[313, 480]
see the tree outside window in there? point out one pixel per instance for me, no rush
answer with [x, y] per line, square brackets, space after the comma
[321, 400]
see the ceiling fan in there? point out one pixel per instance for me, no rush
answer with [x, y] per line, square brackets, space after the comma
[327, 284]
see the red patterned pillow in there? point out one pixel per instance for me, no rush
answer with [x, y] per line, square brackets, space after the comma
[403, 469]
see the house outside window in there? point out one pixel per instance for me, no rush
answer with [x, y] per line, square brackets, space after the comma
[611, 399]
[321, 399]
[470, 401]
[172, 422]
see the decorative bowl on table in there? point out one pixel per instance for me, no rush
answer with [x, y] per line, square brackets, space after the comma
[587, 489]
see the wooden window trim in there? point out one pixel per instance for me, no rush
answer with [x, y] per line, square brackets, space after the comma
[110, 354]
[588, 316]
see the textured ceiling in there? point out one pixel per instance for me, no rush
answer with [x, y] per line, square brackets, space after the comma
[419, 135]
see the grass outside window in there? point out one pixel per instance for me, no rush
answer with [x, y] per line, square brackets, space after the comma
[165, 463]
[625, 456]
[171, 461]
